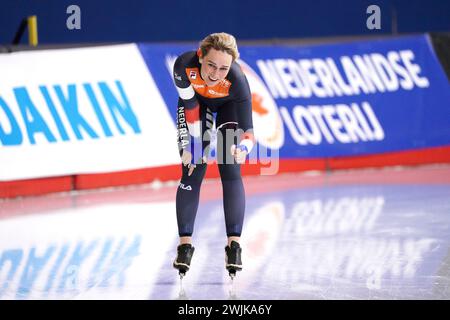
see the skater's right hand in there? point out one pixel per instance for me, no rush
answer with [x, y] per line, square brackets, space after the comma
[186, 159]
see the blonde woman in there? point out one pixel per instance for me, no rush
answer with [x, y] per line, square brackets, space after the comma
[212, 87]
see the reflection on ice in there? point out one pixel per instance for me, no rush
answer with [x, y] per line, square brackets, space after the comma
[326, 241]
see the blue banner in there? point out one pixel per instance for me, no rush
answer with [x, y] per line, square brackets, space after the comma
[318, 101]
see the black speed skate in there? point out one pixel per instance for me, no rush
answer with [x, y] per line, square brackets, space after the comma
[183, 259]
[233, 262]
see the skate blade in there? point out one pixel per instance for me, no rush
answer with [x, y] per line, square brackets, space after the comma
[232, 291]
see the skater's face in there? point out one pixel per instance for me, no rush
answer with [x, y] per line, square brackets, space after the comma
[215, 66]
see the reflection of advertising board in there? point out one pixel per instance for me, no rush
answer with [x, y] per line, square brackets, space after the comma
[336, 100]
[84, 253]
[353, 236]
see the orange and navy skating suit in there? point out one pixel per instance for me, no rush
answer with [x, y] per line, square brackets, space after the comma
[230, 101]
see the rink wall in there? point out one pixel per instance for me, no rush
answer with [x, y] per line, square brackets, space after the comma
[93, 117]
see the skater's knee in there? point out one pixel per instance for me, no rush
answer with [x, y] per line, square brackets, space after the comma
[230, 171]
[197, 175]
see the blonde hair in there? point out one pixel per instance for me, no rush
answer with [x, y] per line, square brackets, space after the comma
[220, 41]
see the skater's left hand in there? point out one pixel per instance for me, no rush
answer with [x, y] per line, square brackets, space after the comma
[239, 152]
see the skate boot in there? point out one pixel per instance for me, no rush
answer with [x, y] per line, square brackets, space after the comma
[183, 260]
[233, 260]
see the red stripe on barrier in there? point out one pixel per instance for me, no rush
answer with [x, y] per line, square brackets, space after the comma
[404, 158]
[273, 167]
[114, 179]
[32, 187]
[284, 166]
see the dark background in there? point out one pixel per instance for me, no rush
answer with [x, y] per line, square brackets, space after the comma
[176, 20]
